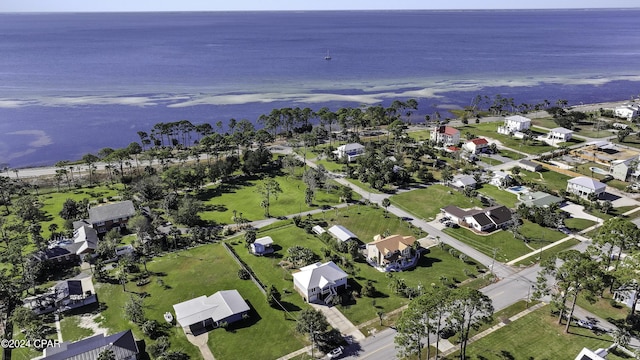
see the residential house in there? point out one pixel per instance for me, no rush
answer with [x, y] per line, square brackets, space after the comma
[501, 179]
[529, 165]
[476, 146]
[539, 198]
[622, 169]
[583, 186]
[319, 282]
[627, 295]
[446, 135]
[342, 233]
[586, 354]
[318, 230]
[559, 134]
[70, 251]
[392, 253]
[515, 123]
[483, 220]
[123, 345]
[350, 151]
[66, 295]
[627, 111]
[262, 246]
[106, 217]
[464, 181]
[223, 307]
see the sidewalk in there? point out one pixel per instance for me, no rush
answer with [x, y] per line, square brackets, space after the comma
[538, 251]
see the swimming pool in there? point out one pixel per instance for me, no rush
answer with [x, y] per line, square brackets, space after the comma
[518, 189]
[597, 170]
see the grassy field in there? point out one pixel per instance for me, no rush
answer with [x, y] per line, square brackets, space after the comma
[602, 308]
[511, 154]
[419, 135]
[330, 165]
[551, 179]
[71, 329]
[577, 224]
[365, 223]
[363, 186]
[501, 196]
[52, 203]
[583, 129]
[508, 248]
[192, 273]
[548, 341]
[221, 200]
[545, 254]
[426, 203]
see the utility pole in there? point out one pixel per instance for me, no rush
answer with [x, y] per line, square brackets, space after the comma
[493, 261]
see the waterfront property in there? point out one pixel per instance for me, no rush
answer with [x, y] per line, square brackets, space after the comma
[445, 135]
[515, 123]
[223, 307]
[319, 282]
[392, 253]
[349, 151]
[122, 345]
[584, 186]
[627, 111]
[106, 217]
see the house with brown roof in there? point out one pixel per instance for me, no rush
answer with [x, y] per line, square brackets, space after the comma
[392, 253]
[477, 145]
[446, 135]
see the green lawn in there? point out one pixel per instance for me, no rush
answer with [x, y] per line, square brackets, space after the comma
[548, 341]
[426, 203]
[364, 222]
[602, 308]
[71, 330]
[221, 200]
[583, 129]
[503, 197]
[508, 248]
[363, 186]
[577, 224]
[330, 165]
[545, 254]
[419, 135]
[511, 154]
[551, 179]
[192, 273]
[52, 203]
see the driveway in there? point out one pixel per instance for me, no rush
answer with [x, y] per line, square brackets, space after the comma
[577, 211]
[340, 322]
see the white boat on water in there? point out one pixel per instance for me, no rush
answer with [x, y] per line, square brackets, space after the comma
[327, 57]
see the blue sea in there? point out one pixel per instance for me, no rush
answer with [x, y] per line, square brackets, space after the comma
[71, 84]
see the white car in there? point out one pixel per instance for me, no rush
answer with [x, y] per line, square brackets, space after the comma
[586, 324]
[335, 353]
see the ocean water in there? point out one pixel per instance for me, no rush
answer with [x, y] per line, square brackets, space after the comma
[71, 84]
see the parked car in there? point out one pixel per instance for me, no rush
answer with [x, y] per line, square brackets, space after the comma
[335, 353]
[586, 324]
[564, 230]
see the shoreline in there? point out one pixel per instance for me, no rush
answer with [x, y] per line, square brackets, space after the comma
[48, 170]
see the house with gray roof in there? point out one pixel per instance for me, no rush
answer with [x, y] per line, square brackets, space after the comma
[226, 306]
[64, 296]
[123, 345]
[262, 246]
[584, 186]
[319, 282]
[540, 199]
[487, 219]
[342, 233]
[106, 217]
[349, 151]
[70, 251]
[464, 181]
[529, 165]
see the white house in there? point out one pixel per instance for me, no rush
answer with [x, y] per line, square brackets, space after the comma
[319, 282]
[500, 179]
[495, 217]
[627, 111]
[559, 134]
[342, 233]
[621, 169]
[226, 306]
[529, 165]
[475, 146]
[514, 123]
[446, 135]
[586, 354]
[350, 151]
[464, 181]
[583, 186]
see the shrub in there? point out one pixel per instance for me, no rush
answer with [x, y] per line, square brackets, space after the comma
[244, 274]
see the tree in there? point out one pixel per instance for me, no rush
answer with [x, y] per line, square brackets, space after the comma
[577, 274]
[107, 354]
[621, 337]
[273, 296]
[268, 188]
[27, 208]
[188, 210]
[134, 311]
[311, 322]
[411, 331]
[300, 256]
[385, 204]
[250, 237]
[622, 134]
[70, 210]
[615, 233]
[346, 194]
[469, 309]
